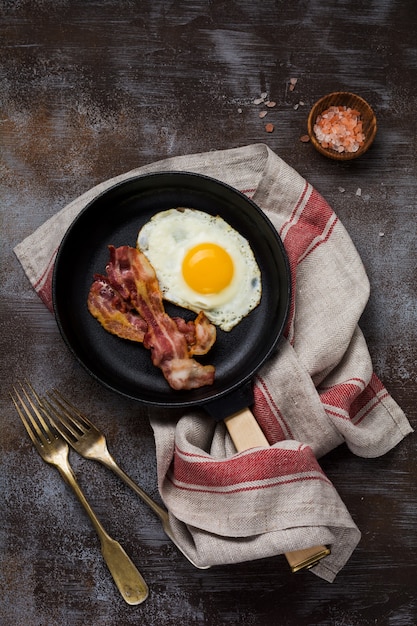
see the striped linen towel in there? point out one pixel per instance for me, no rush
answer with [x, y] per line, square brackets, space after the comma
[317, 391]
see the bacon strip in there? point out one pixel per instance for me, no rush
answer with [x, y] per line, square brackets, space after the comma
[132, 281]
[113, 312]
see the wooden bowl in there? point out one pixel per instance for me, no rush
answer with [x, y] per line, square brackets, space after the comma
[347, 99]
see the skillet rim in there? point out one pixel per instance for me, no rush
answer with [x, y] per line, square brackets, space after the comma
[210, 395]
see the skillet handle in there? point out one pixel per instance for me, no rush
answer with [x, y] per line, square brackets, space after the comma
[245, 430]
[246, 433]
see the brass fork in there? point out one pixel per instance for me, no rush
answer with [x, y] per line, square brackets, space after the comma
[90, 443]
[54, 450]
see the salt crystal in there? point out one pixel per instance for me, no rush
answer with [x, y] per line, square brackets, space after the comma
[271, 103]
[262, 114]
[381, 234]
[295, 107]
[293, 82]
[264, 95]
[258, 101]
[341, 189]
[359, 191]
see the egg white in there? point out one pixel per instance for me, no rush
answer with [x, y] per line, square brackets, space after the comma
[166, 239]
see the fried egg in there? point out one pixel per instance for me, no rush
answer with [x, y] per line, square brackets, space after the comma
[202, 264]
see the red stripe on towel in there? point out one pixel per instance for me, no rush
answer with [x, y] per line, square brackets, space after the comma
[268, 415]
[45, 290]
[259, 465]
[248, 487]
[353, 400]
[343, 394]
[309, 226]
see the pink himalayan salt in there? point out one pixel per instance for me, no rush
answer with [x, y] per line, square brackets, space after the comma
[339, 128]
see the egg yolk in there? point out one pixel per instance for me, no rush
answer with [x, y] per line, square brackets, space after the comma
[207, 268]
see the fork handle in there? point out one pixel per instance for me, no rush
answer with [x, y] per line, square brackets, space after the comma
[128, 579]
[107, 460]
[111, 464]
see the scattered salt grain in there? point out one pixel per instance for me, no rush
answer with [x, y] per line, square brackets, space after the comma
[381, 234]
[270, 104]
[305, 138]
[293, 82]
[339, 128]
[263, 100]
[341, 189]
[269, 128]
[262, 114]
[295, 107]
[359, 191]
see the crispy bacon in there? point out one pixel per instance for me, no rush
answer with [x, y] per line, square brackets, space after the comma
[132, 289]
[114, 313]
[200, 334]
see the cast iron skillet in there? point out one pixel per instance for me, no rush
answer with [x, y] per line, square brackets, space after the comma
[115, 217]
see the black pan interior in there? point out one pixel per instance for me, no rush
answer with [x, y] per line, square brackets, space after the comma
[115, 217]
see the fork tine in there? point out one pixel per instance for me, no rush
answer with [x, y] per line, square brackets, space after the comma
[37, 435]
[72, 414]
[29, 429]
[69, 422]
[60, 421]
